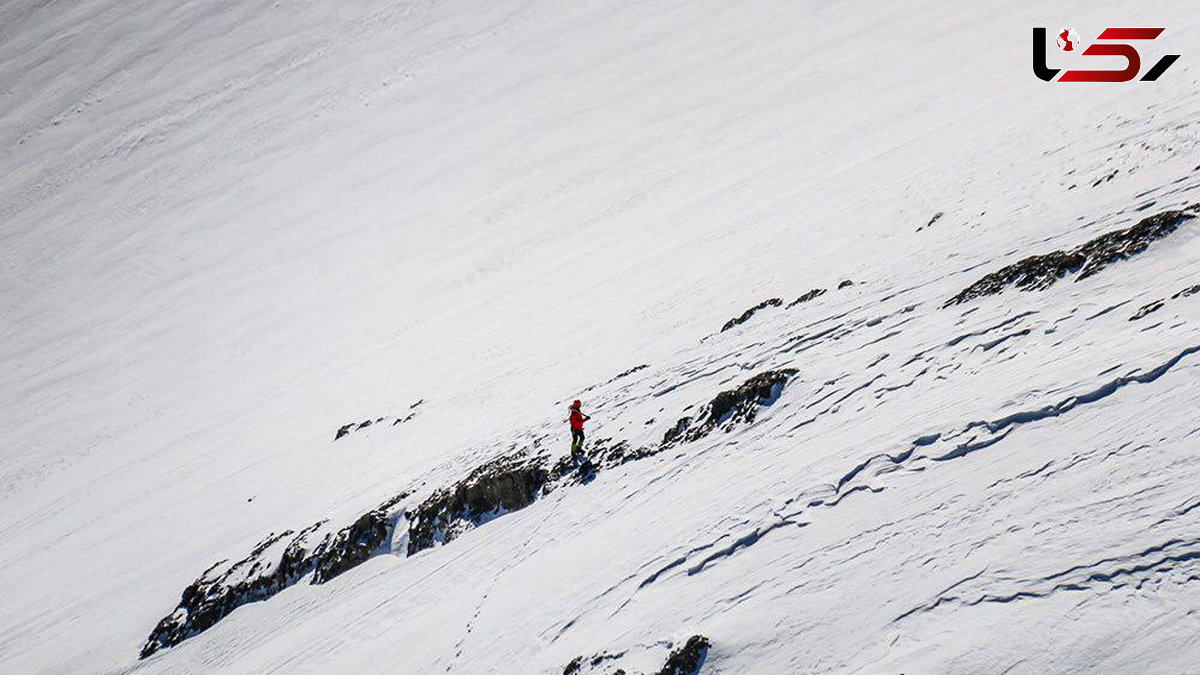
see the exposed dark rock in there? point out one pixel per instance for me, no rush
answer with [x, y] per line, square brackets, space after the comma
[687, 659]
[260, 575]
[627, 373]
[845, 284]
[353, 545]
[1105, 179]
[811, 295]
[734, 405]
[217, 593]
[773, 302]
[504, 485]
[1039, 272]
[1147, 309]
[936, 217]
[1191, 290]
[501, 486]
[355, 426]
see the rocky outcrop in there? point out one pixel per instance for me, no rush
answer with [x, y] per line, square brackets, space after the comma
[687, 659]
[1039, 272]
[503, 485]
[773, 302]
[353, 545]
[276, 563]
[222, 589]
[731, 407]
[845, 284]
[355, 426]
[811, 295]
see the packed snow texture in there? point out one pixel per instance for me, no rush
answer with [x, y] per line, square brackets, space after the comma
[231, 231]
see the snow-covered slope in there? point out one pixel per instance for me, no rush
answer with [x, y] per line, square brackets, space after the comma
[229, 230]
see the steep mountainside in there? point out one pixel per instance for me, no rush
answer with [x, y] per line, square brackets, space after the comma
[891, 349]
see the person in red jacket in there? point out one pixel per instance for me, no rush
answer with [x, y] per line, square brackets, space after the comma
[577, 419]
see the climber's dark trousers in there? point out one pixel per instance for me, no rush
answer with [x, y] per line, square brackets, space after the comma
[576, 440]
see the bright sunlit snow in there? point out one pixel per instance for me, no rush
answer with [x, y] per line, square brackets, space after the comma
[229, 230]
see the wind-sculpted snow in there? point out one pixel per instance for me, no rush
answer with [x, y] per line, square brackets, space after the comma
[1155, 305]
[239, 241]
[1176, 561]
[1040, 272]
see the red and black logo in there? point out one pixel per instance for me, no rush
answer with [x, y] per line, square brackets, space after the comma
[1068, 41]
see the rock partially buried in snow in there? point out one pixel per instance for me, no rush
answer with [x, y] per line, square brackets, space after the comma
[773, 302]
[500, 486]
[1040, 272]
[811, 295]
[731, 406]
[686, 660]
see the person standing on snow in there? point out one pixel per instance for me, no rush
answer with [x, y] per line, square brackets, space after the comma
[577, 419]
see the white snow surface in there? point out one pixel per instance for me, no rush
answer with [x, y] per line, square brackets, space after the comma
[229, 228]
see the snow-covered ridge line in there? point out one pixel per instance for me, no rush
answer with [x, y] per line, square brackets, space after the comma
[504, 485]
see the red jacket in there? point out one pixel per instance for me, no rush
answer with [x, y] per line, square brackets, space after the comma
[577, 418]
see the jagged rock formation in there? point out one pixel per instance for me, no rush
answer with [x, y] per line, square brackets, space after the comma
[506, 484]
[354, 544]
[811, 295]
[773, 302]
[219, 591]
[1039, 272]
[260, 575]
[355, 426]
[687, 659]
[735, 405]
[845, 284]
